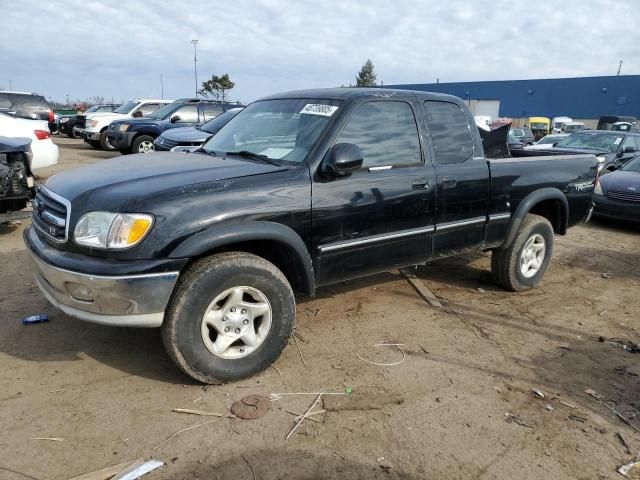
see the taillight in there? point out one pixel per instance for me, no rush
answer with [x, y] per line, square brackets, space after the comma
[42, 134]
[52, 118]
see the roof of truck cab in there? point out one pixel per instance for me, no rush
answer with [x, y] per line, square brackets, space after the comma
[348, 93]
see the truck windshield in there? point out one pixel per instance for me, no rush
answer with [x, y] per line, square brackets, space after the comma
[126, 107]
[285, 129]
[598, 141]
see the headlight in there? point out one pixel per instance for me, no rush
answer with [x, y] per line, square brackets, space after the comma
[94, 123]
[112, 230]
[123, 127]
[597, 190]
[64, 119]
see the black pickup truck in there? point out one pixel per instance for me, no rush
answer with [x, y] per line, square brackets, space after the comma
[299, 190]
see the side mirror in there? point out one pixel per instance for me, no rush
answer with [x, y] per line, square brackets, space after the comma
[629, 149]
[174, 118]
[344, 159]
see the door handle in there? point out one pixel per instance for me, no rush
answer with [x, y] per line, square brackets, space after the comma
[448, 182]
[420, 184]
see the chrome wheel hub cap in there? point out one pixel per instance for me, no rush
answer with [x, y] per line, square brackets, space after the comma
[236, 323]
[532, 255]
[145, 147]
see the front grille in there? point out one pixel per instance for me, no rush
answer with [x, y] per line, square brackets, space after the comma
[165, 143]
[82, 121]
[51, 215]
[628, 196]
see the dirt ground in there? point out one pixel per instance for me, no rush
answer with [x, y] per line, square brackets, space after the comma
[466, 378]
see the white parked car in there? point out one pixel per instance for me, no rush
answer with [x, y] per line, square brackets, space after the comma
[45, 152]
[94, 126]
[547, 141]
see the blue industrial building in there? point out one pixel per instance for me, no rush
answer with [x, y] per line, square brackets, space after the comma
[579, 98]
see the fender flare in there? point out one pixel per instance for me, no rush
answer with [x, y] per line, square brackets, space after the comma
[525, 206]
[225, 235]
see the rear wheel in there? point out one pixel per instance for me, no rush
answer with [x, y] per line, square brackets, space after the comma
[230, 317]
[143, 144]
[105, 143]
[522, 265]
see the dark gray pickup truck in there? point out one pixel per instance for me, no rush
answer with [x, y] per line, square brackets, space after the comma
[299, 190]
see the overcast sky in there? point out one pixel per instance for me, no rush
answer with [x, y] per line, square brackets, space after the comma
[118, 49]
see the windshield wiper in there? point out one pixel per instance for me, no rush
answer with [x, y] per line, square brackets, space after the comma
[256, 156]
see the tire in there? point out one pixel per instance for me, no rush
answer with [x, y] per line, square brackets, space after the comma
[71, 134]
[142, 144]
[191, 343]
[105, 144]
[95, 144]
[125, 151]
[507, 264]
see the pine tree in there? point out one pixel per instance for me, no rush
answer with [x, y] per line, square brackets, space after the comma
[217, 87]
[367, 75]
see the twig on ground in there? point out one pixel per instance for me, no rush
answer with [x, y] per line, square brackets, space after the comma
[198, 412]
[397, 345]
[612, 410]
[250, 466]
[250, 386]
[25, 475]
[568, 405]
[462, 319]
[51, 439]
[278, 396]
[624, 443]
[186, 429]
[315, 402]
[295, 339]
[277, 370]
[297, 416]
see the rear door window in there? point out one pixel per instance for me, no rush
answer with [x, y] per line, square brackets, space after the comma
[212, 111]
[450, 132]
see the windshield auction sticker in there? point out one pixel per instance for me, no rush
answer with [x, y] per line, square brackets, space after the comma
[319, 109]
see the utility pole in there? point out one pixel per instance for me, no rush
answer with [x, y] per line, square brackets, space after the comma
[161, 87]
[67, 95]
[195, 62]
[10, 88]
[619, 67]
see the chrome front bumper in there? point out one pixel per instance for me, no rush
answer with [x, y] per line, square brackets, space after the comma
[125, 301]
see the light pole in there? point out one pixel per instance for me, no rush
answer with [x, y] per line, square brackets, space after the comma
[195, 62]
[161, 87]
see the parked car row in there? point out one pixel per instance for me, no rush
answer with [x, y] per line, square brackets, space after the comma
[137, 135]
[135, 126]
[67, 123]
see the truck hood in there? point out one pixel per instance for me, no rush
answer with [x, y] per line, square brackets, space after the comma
[133, 177]
[141, 121]
[105, 116]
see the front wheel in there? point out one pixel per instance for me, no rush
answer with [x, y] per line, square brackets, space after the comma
[230, 317]
[105, 143]
[522, 265]
[143, 144]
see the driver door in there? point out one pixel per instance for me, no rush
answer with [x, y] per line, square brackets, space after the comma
[380, 216]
